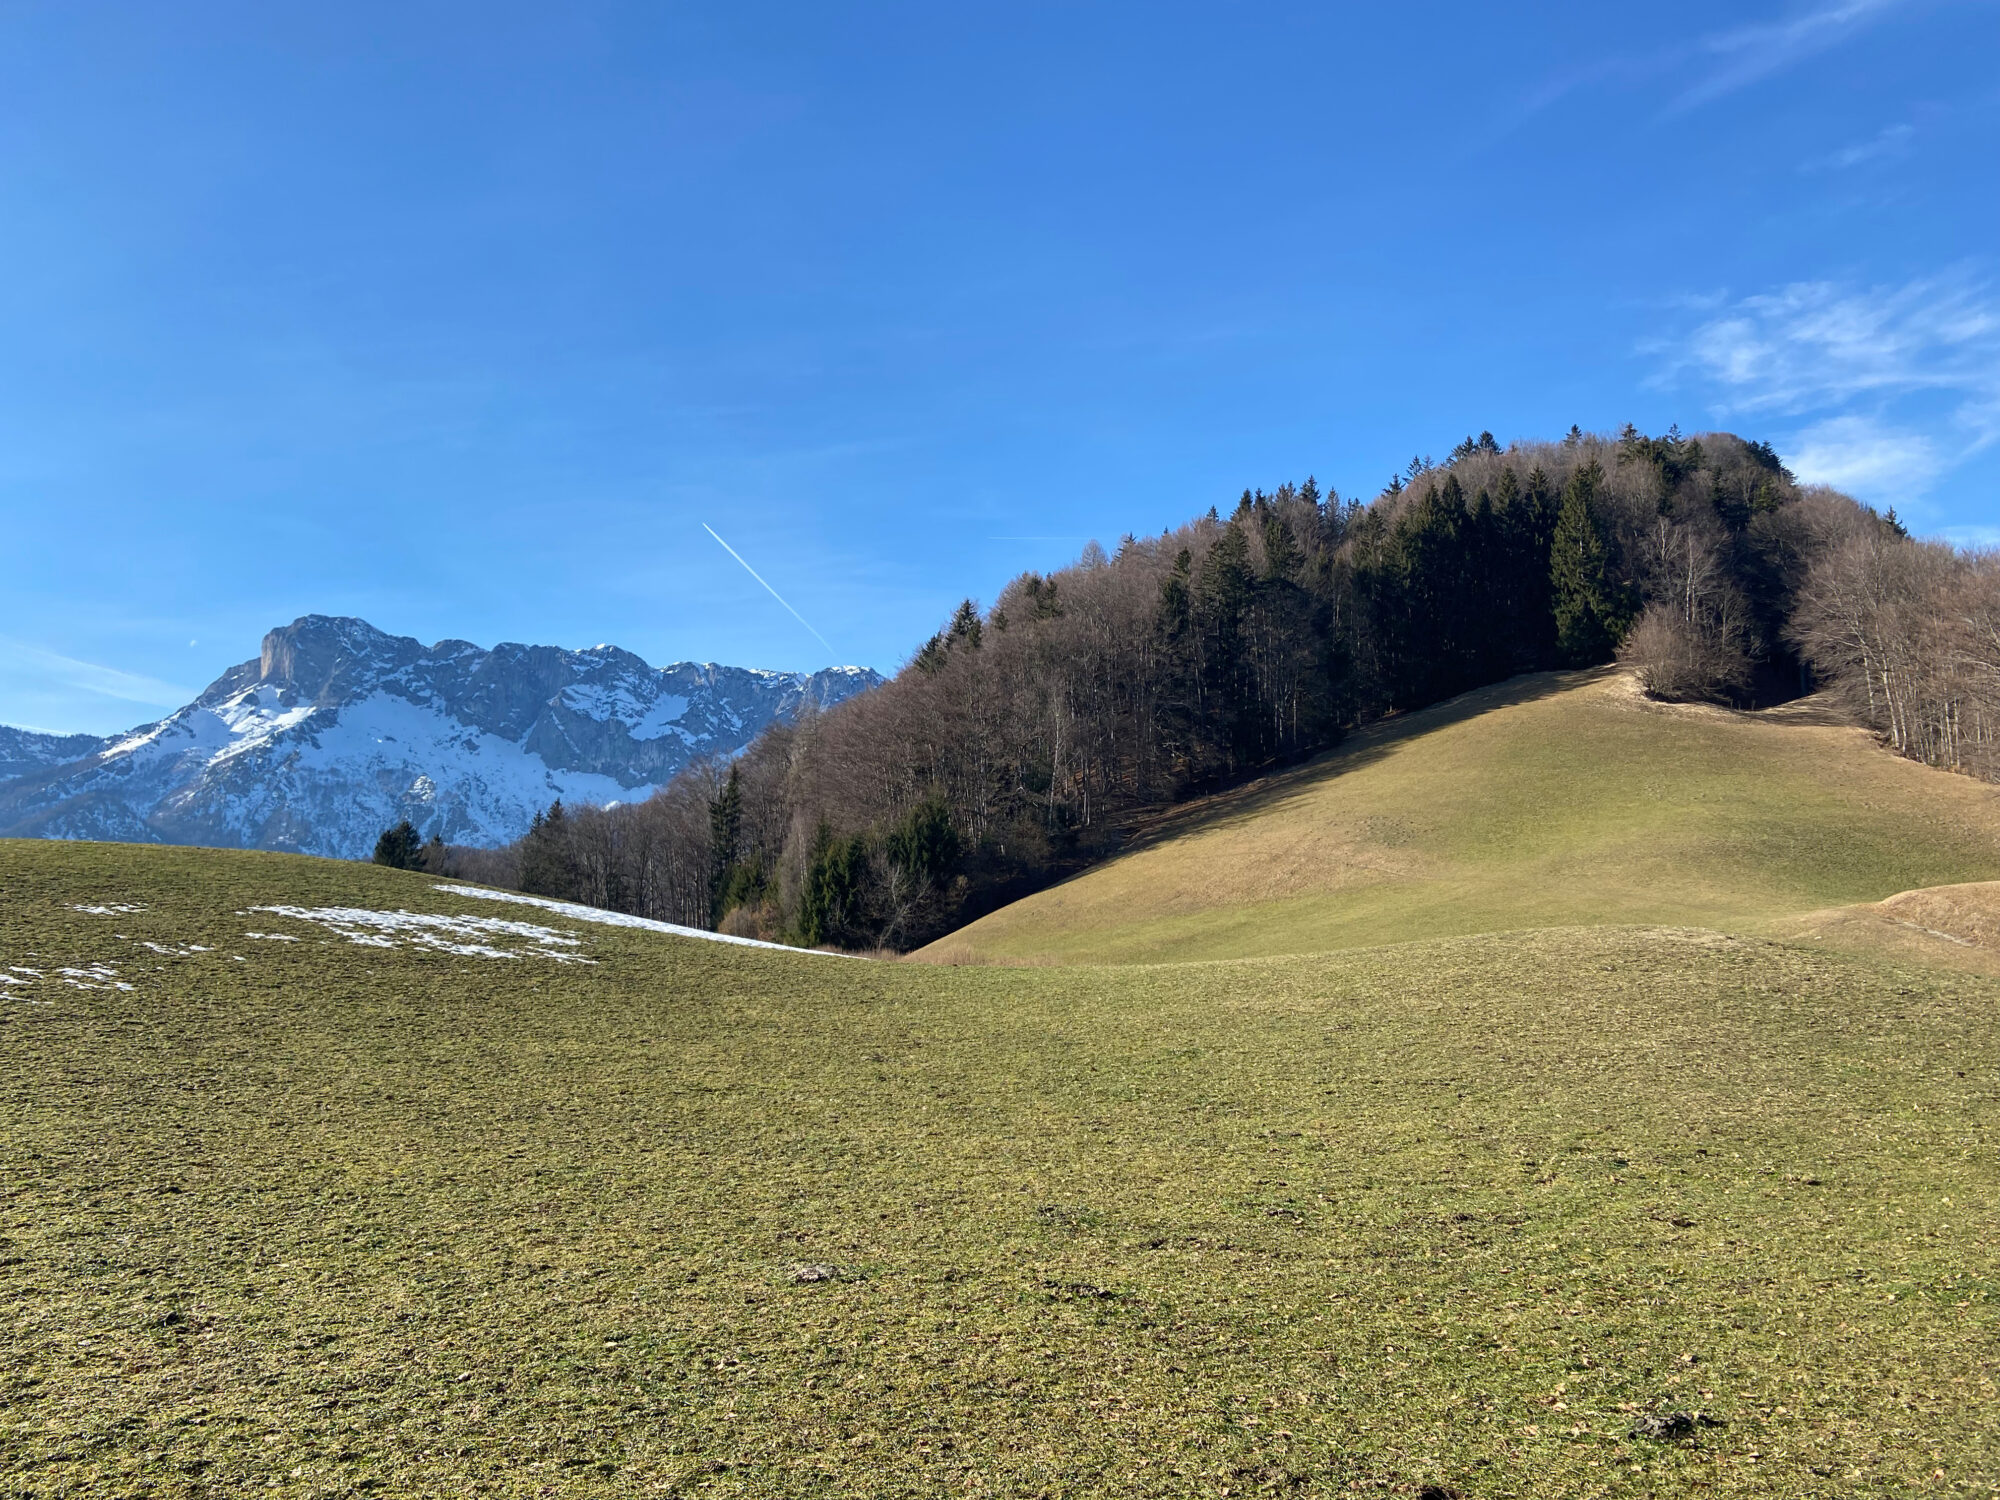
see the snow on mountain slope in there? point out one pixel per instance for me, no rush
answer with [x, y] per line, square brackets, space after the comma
[25, 750]
[338, 730]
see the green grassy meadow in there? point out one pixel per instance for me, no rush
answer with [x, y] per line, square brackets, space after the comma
[1555, 800]
[1452, 1216]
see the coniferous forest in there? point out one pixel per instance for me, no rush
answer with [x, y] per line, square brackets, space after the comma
[1020, 743]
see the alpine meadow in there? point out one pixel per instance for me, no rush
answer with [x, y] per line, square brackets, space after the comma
[770, 751]
[1484, 993]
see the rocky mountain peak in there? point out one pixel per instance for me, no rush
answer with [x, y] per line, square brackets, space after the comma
[338, 729]
[322, 658]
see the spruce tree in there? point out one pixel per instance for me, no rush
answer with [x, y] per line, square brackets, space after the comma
[965, 624]
[1281, 553]
[725, 835]
[829, 904]
[925, 844]
[546, 865]
[1177, 597]
[399, 848]
[1583, 597]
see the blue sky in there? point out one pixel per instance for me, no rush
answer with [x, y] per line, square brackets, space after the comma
[469, 319]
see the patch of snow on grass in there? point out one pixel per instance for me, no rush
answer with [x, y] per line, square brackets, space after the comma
[271, 937]
[460, 935]
[93, 977]
[605, 918]
[116, 908]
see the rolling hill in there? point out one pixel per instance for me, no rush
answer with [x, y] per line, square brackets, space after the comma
[1554, 800]
[1622, 1122]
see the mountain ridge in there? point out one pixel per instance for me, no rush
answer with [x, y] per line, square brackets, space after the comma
[338, 728]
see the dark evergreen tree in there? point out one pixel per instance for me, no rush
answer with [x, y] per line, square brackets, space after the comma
[1589, 615]
[829, 906]
[924, 846]
[1281, 553]
[725, 840]
[547, 862]
[400, 848]
[1222, 593]
[965, 626]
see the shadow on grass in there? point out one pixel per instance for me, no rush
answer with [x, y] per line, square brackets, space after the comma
[1366, 746]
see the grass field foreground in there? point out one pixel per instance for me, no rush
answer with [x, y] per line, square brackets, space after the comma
[328, 1217]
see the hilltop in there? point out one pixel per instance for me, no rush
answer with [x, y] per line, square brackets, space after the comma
[1556, 799]
[1023, 742]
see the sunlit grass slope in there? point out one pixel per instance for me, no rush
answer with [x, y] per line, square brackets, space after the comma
[313, 1217]
[1552, 800]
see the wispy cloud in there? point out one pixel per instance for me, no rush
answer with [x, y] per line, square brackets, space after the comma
[1971, 536]
[1892, 141]
[1746, 54]
[68, 672]
[1892, 386]
[1720, 62]
[1816, 343]
[1866, 455]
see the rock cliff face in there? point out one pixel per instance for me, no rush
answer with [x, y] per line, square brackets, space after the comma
[338, 730]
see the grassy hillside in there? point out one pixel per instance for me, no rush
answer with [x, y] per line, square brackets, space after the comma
[328, 1217]
[1546, 801]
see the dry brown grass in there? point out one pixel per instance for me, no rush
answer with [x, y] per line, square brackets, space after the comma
[1546, 801]
[1953, 926]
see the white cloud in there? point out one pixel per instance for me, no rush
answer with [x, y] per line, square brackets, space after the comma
[1726, 60]
[1890, 386]
[1815, 343]
[1979, 420]
[1746, 54]
[51, 668]
[1865, 456]
[1891, 141]
[1971, 536]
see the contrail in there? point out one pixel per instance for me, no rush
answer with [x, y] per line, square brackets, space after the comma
[769, 590]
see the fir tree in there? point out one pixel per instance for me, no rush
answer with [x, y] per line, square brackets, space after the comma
[835, 870]
[725, 838]
[547, 865]
[1177, 597]
[1281, 553]
[924, 846]
[1588, 617]
[965, 624]
[399, 848]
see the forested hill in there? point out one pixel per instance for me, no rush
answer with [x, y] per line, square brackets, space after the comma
[1017, 743]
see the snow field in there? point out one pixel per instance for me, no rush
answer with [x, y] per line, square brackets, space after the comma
[602, 918]
[470, 937]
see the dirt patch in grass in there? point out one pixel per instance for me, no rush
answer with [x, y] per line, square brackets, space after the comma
[1951, 927]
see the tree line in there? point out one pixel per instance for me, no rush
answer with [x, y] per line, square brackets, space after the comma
[1018, 743]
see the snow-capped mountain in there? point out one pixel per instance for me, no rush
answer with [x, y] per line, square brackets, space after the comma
[25, 750]
[338, 730]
